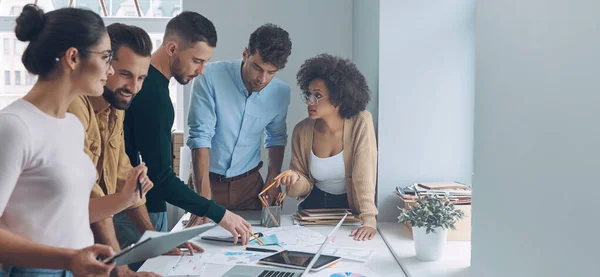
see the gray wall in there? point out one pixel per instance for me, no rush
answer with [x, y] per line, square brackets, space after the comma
[365, 47]
[315, 27]
[535, 210]
[426, 76]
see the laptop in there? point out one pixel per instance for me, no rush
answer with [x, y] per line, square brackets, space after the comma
[263, 271]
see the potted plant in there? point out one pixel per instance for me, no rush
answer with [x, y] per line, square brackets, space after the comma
[430, 218]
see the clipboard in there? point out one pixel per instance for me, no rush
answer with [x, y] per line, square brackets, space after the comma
[154, 244]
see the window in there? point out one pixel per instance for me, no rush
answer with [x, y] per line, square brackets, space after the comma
[29, 79]
[18, 47]
[18, 78]
[6, 46]
[114, 8]
[15, 10]
[155, 14]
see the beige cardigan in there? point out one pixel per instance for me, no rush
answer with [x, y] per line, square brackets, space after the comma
[360, 159]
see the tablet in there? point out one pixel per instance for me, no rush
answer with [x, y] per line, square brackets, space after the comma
[299, 260]
[154, 244]
[124, 251]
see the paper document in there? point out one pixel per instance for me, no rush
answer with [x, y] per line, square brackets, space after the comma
[237, 257]
[295, 237]
[267, 240]
[189, 265]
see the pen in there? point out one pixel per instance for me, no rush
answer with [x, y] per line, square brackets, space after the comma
[257, 249]
[257, 239]
[140, 183]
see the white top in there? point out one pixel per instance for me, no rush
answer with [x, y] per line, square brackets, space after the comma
[329, 173]
[45, 177]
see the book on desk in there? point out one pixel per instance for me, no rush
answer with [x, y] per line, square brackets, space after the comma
[317, 217]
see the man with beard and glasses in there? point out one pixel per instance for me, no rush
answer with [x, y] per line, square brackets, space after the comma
[188, 43]
[232, 105]
[102, 118]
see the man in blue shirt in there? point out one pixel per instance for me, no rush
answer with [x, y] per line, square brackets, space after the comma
[232, 104]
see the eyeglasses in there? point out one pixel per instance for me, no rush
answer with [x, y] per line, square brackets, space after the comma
[108, 53]
[311, 99]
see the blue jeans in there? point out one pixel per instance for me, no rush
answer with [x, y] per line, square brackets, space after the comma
[318, 199]
[11, 271]
[128, 234]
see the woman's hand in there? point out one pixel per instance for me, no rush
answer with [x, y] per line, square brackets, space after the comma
[130, 190]
[363, 233]
[288, 180]
[84, 262]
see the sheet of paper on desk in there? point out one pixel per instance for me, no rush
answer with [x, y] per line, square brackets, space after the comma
[354, 254]
[189, 265]
[237, 257]
[295, 237]
[345, 271]
[267, 240]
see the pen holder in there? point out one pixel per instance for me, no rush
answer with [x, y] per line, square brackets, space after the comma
[271, 216]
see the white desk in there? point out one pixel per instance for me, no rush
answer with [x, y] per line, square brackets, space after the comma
[454, 263]
[382, 262]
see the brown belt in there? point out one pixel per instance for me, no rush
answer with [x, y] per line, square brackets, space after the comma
[222, 179]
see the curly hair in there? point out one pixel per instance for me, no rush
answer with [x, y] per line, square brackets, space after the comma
[273, 43]
[347, 87]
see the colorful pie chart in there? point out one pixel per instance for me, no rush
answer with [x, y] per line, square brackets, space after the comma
[347, 274]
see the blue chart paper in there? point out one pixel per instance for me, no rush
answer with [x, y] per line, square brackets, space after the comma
[347, 274]
[268, 240]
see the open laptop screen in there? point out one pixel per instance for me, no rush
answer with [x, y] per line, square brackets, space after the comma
[296, 259]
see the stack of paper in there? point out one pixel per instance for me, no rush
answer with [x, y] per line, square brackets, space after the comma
[456, 192]
[325, 217]
[406, 193]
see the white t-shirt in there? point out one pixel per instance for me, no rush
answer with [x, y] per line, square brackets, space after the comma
[45, 177]
[329, 173]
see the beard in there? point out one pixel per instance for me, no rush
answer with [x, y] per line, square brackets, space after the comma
[177, 72]
[112, 97]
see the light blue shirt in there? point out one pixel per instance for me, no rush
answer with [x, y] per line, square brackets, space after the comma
[223, 118]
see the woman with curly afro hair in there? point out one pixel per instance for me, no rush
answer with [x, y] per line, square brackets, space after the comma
[334, 152]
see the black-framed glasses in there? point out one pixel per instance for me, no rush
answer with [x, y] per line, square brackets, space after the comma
[108, 53]
[310, 99]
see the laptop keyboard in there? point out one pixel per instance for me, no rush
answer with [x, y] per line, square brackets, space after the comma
[271, 273]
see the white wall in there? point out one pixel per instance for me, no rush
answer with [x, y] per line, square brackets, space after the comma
[365, 47]
[315, 27]
[535, 210]
[426, 75]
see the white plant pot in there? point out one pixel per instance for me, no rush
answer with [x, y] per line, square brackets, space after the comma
[429, 247]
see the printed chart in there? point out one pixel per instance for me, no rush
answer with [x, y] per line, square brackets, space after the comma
[237, 257]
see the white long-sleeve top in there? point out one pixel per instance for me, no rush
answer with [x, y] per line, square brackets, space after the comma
[45, 177]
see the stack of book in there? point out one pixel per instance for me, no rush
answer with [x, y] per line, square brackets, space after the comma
[406, 193]
[325, 217]
[456, 192]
